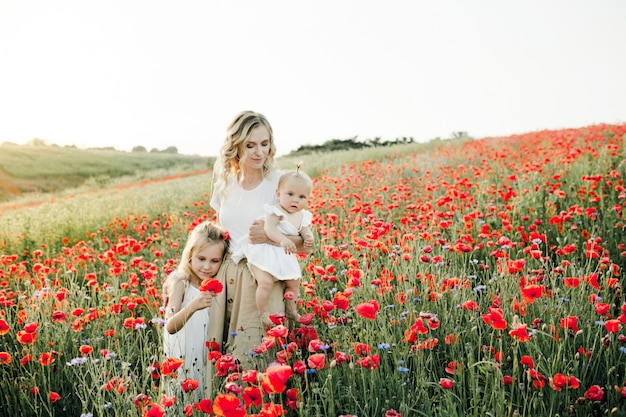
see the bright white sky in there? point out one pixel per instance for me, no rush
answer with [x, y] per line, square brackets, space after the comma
[161, 73]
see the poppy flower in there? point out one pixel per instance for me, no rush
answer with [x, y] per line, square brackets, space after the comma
[453, 366]
[85, 350]
[571, 282]
[46, 358]
[272, 410]
[5, 358]
[211, 285]
[30, 327]
[275, 378]
[57, 316]
[370, 362]
[171, 365]
[227, 405]
[612, 326]
[141, 400]
[204, 405]
[153, 410]
[495, 318]
[520, 333]
[368, 309]
[26, 338]
[560, 381]
[54, 397]
[316, 361]
[4, 327]
[225, 364]
[252, 395]
[594, 393]
[570, 323]
[189, 384]
[233, 387]
[528, 361]
[446, 383]
[539, 380]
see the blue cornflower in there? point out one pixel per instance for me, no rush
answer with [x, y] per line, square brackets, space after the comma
[384, 346]
[480, 288]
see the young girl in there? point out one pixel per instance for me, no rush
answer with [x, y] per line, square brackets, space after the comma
[269, 262]
[186, 312]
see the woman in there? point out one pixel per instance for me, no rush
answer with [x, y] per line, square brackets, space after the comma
[246, 179]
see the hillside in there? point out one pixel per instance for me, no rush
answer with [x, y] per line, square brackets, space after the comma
[37, 169]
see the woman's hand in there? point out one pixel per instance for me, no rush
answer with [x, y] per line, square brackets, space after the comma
[257, 233]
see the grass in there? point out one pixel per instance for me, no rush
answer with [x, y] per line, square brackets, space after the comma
[41, 169]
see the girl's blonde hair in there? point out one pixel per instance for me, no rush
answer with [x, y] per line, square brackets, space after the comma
[204, 234]
[237, 136]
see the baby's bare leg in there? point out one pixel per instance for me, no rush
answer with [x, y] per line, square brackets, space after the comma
[292, 289]
[265, 282]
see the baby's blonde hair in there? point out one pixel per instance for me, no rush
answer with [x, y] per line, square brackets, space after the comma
[295, 174]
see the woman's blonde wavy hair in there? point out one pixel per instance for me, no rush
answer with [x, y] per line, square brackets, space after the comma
[237, 135]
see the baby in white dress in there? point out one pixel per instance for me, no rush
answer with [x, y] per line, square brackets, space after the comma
[269, 262]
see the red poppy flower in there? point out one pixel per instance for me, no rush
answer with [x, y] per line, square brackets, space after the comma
[612, 326]
[571, 282]
[4, 327]
[153, 410]
[211, 285]
[228, 405]
[275, 378]
[189, 384]
[453, 366]
[141, 400]
[171, 365]
[370, 362]
[446, 383]
[570, 323]
[225, 364]
[368, 309]
[54, 397]
[30, 327]
[495, 318]
[46, 358]
[252, 395]
[316, 361]
[532, 292]
[520, 334]
[278, 331]
[539, 380]
[85, 349]
[341, 301]
[560, 381]
[204, 405]
[594, 393]
[528, 361]
[5, 358]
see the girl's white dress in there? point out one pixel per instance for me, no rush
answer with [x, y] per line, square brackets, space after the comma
[189, 343]
[272, 258]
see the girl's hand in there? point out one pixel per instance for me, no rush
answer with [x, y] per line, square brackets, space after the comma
[202, 301]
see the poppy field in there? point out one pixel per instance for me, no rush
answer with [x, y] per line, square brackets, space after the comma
[471, 278]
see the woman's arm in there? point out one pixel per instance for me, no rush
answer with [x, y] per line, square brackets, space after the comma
[257, 236]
